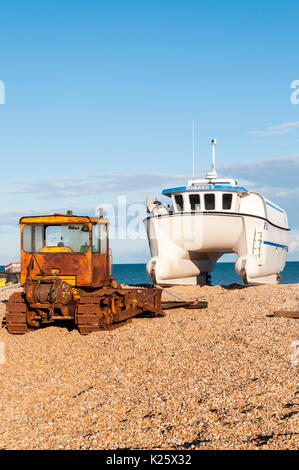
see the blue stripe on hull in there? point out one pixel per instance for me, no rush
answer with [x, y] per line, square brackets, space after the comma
[274, 207]
[276, 244]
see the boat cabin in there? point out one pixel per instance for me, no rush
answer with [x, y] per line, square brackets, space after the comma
[213, 194]
[203, 196]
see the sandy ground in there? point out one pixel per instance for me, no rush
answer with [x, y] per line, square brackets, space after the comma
[218, 378]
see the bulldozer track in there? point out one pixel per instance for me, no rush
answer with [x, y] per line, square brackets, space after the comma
[16, 309]
[92, 315]
[112, 308]
[88, 315]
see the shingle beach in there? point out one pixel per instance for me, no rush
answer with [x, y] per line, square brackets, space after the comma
[216, 378]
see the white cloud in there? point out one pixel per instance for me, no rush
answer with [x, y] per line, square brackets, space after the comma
[277, 173]
[276, 178]
[96, 184]
[285, 128]
[273, 173]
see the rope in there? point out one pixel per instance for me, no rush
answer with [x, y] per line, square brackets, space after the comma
[10, 287]
[181, 298]
[171, 293]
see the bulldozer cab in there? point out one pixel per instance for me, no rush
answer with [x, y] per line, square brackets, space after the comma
[73, 248]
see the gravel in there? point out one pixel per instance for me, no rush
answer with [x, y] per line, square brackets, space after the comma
[217, 378]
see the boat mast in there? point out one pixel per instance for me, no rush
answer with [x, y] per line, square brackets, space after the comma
[213, 164]
[193, 157]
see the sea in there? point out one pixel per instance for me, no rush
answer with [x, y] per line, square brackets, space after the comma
[223, 274]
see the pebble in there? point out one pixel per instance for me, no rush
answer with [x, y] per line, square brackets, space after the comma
[214, 378]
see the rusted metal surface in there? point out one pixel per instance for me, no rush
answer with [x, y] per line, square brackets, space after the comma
[63, 285]
[16, 309]
[93, 311]
[196, 304]
[287, 313]
[89, 269]
[48, 291]
[104, 307]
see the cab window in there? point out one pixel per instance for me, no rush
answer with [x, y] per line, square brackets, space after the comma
[56, 238]
[75, 237]
[209, 202]
[27, 238]
[33, 238]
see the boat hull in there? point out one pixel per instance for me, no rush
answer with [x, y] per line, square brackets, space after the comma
[186, 246]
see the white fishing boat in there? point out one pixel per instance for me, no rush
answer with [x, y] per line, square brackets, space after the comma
[208, 218]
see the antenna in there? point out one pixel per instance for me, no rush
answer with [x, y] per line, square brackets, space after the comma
[213, 164]
[193, 158]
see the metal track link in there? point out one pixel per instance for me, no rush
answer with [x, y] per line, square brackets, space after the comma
[111, 309]
[88, 315]
[16, 309]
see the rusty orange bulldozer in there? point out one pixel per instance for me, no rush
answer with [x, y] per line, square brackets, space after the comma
[66, 276]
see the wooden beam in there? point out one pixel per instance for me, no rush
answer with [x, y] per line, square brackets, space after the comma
[287, 313]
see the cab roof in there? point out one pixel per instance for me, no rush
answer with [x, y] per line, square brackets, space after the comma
[61, 219]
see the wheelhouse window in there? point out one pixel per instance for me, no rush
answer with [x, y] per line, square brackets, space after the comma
[194, 202]
[179, 202]
[227, 201]
[210, 202]
[63, 238]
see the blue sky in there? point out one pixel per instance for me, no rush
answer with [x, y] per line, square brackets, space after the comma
[106, 91]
